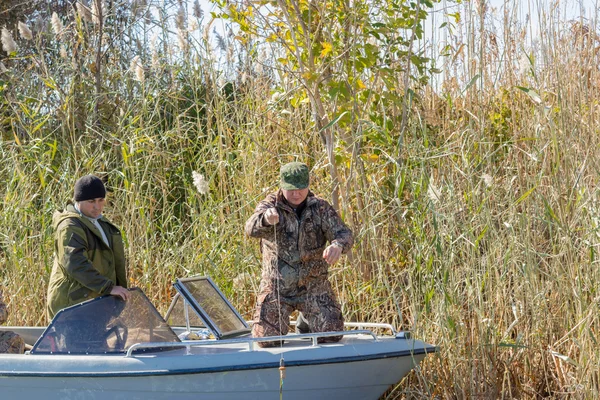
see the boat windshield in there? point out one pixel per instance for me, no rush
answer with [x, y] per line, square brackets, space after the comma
[200, 303]
[104, 325]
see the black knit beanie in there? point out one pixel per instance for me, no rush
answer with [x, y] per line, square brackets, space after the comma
[89, 187]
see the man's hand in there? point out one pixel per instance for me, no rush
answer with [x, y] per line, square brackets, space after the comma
[120, 291]
[272, 216]
[332, 253]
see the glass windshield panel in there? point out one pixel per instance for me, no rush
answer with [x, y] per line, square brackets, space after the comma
[176, 315]
[104, 325]
[216, 307]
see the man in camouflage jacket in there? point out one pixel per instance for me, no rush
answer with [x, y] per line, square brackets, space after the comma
[294, 227]
[89, 259]
[10, 342]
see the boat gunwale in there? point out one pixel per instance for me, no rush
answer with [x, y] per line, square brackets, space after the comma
[250, 341]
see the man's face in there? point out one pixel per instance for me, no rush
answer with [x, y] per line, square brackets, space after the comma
[295, 197]
[92, 208]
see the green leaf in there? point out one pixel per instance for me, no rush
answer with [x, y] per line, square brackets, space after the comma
[39, 126]
[550, 211]
[428, 298]
[334, 121]
[564, 358]
[471, 83]
[512, 345]
[481, 235]
[532, 94]
[525, 196]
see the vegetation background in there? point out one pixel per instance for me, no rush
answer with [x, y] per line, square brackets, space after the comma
[467, 166]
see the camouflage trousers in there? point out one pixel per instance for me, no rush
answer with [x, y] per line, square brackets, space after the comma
[318, 305]
[12, 343]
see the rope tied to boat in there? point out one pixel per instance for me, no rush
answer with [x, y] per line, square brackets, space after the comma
[281, 377]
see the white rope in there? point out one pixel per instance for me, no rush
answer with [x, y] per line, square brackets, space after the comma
[278, 277]
[281, 361]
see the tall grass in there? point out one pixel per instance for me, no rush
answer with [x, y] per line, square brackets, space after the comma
[489, 251]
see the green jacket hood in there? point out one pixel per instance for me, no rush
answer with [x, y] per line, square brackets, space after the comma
[70, 212]
[60, 215]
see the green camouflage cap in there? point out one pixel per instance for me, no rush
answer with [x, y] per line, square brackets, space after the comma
[294, 176]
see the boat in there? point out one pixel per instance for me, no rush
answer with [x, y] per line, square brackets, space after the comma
[106, 348]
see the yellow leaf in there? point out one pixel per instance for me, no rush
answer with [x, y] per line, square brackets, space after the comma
[50, 83]
[327, 48]
[360, 84]
[525, 196]
[307, 75]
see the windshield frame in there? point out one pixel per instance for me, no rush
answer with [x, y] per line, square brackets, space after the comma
[105, 325]
[210, 321]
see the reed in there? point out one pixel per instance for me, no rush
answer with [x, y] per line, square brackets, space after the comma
[489, 250]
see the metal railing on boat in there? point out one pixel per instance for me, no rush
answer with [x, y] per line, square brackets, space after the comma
[396, 334]
[251, 341]
[362, 325]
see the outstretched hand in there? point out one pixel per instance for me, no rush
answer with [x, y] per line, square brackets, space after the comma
[120, 291]
[332, 254]
[272, 216]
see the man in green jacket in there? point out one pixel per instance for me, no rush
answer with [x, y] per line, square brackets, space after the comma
[89, 259]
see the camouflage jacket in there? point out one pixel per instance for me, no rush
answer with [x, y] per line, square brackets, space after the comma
[84, 266]
[3, 310]
[294, 250]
